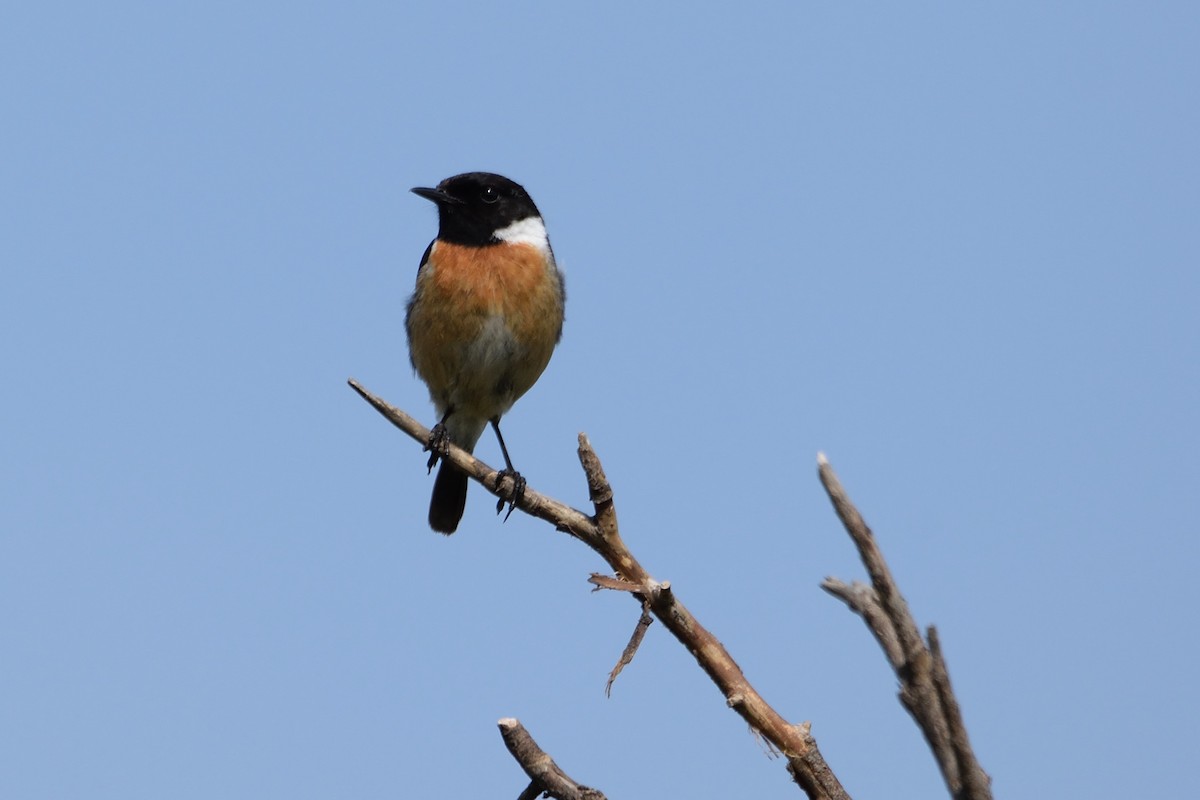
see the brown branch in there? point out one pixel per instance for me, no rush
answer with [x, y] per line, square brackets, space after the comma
[805, 762]
[602, 534]
[562, 516]
[639, 631]
[635, 641]
[924, 680]
[609, 582]
[976, 783]
[546, 776]
[532, 792]
[863, 601]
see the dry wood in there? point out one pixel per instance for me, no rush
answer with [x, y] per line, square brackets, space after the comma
[545, 776]
[601, 533]
[924, 681]
[639, 632]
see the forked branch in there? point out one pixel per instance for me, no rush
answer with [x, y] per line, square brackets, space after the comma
[924, 681]
[601, 533]
[545, 777]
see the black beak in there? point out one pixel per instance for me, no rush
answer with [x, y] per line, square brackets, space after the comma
[436, 195]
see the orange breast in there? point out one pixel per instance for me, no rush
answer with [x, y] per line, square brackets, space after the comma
[461, 297]
[513, 280]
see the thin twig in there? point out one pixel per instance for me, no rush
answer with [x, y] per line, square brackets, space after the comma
[540, 767]
[609, 582]
[635, 640]
[562, 516]
[924, 681]
[863, 601]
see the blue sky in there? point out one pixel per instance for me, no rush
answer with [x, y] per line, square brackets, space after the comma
[954, 246]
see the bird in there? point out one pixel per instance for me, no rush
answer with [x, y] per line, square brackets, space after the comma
[482, 323]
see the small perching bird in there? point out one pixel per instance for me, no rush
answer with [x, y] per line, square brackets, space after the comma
[484, 319]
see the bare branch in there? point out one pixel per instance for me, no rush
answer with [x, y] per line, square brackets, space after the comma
[872, 557]
[976, 783]
[639, 633]
[863, 601]
[562, 516]
[924, 681]
[546, 776]
[609, 582]
[793, 741]
[599, 490]
[601, 533]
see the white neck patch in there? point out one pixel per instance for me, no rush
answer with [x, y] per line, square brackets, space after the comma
[530, 230]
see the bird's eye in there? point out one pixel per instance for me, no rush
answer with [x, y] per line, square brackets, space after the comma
[489, 194]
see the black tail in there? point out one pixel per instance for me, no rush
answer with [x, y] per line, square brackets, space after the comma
[449, 499]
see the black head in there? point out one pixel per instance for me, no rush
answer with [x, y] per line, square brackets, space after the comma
[474, 205]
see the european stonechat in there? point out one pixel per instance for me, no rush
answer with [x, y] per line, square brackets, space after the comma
[484, 319]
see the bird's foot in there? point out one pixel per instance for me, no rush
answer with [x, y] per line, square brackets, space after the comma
[438, 444]
[518, 490]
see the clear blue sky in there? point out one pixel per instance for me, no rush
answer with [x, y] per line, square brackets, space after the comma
[953, 245]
